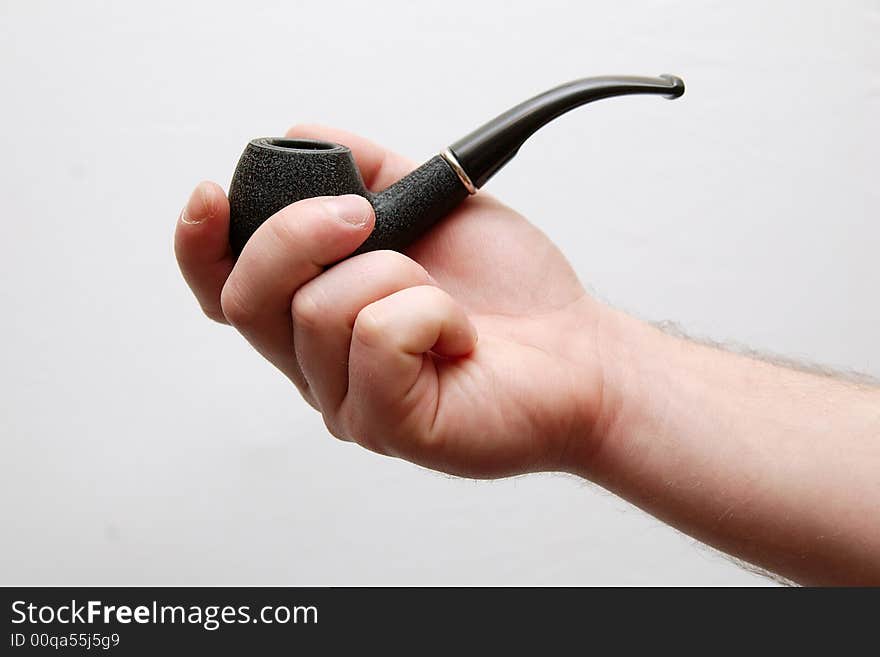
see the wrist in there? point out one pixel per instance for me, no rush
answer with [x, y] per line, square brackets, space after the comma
[634, 361]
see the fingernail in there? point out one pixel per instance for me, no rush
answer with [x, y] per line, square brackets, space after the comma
[196, 209]
[187, 219]
[352, 209]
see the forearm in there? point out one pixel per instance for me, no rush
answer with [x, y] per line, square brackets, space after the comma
[776, 466]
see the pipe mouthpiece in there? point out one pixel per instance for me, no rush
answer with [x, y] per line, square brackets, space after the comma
[677, 88]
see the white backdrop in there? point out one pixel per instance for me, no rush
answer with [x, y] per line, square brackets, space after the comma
[142, 444]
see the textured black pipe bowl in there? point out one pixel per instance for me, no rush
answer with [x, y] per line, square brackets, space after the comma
[273, 173]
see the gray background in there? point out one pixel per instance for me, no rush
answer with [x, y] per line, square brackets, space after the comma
[143, 444]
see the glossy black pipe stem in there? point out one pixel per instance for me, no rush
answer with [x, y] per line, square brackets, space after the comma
[488, 148]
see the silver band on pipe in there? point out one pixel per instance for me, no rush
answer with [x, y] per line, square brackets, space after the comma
[465, 179]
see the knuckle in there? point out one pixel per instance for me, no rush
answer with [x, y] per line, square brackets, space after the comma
[307, 308]
[436, 298]
[285, 228]
[335, 429]
[353, 427]
[387, 256]
[234, 306]
[214, 313]
[370, 329]
[345, 423]
[400, 264]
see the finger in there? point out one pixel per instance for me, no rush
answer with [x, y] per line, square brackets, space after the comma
[393, 389]
[286, 251]
[324, 312]
[201, 244]
[379, 166]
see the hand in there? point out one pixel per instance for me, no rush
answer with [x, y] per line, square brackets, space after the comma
[476, 353]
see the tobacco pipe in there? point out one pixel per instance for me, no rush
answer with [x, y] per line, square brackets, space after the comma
[275, 172]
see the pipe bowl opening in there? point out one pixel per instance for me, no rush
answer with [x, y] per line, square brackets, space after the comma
[301, 145]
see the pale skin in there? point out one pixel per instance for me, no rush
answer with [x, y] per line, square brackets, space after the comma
[479, 353]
